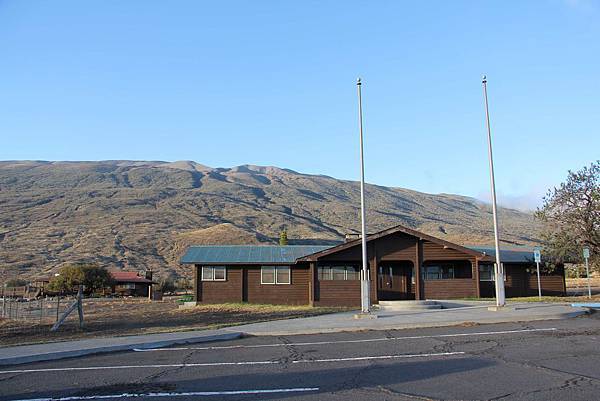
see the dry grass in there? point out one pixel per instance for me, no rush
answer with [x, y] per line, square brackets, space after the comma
[117, 317]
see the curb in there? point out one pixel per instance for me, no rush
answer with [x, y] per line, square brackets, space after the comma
[556, 316]
[56, 355]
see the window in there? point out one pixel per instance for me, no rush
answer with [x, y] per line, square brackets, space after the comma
[487, 273]
[339, 273]
[275, 275]
[213, 273]
[438, 272]
[128, 286]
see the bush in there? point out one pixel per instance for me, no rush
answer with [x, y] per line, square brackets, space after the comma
[15, 282]
[70, 277]
[166, 284]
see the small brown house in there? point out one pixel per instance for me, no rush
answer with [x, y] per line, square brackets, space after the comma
[130, 284]
[403, 263]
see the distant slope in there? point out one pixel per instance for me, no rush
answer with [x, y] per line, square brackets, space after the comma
[138, 215]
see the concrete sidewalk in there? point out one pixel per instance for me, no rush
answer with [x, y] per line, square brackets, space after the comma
[68, 349]
[477, 312]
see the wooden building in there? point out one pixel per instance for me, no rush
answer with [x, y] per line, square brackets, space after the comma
[131, 283]
[404, 264]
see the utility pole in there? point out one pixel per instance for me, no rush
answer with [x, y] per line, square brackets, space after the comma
[365, 282]
[500, 299]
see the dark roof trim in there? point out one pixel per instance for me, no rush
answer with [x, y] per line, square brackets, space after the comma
[393, 230]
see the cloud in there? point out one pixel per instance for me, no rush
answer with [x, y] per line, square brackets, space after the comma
[527, 202]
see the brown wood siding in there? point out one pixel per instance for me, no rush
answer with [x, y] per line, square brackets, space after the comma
[353, 253]
[449, 288]
[230, 290]
[295, 293]
[396, 247]
[521, 283]
[338, 293]
[432, 251]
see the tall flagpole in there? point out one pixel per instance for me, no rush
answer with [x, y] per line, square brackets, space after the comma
[500, 299]
[364, 278]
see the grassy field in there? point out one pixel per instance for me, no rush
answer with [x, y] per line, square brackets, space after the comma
[112, 317]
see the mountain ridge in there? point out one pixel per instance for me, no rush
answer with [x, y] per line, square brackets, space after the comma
[141, 214]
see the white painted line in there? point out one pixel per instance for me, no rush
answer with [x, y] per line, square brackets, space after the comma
[368, 358]
[368, 340]
[194, 365]
[184, 394]
[174, 365]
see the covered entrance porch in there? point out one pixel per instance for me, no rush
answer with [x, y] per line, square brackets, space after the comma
[395, 281]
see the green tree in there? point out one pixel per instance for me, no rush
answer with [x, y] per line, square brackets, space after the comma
[16, 282]
[71, 276]
[166, 284]
[283, 239]
[572, 216]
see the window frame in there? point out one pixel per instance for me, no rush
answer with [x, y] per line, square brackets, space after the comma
[493, 272]
[276, 270]
[326, 272]
[212, 276]
[441, 270]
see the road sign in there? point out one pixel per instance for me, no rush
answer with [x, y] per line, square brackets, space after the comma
[537, 255]
[586, 253]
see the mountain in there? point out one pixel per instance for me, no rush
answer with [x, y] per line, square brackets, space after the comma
[138, 215]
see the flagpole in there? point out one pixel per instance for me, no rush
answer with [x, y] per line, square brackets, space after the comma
[500, 299]
[364, 278]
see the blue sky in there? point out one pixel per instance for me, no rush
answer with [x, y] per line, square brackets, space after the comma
[273, 83]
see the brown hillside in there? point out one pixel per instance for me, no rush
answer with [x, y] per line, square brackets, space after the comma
[137, 215]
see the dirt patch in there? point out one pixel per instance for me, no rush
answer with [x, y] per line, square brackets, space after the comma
[116, 317]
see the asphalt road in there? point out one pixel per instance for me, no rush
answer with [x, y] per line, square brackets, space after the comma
[549, 360]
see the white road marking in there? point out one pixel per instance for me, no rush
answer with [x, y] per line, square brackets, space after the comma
[368, 358]
[193, 365]
[486, 333]
[184, 394]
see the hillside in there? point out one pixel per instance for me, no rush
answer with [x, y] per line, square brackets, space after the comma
[138, 215]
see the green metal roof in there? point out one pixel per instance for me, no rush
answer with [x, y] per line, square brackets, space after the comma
[524, 255]
[251, 254]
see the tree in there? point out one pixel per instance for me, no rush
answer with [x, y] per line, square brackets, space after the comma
[572, 216]
[71, 276]
[166, 284]
[283, 239]
[16, 282]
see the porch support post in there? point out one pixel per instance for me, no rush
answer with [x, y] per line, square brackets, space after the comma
[476, 277]
[312, 282]
[374, 262]
[418, 262]
[197, 276]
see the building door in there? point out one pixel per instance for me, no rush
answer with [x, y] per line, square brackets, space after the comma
[394, 281]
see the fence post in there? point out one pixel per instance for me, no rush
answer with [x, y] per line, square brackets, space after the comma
[57, 305]
[80, 306]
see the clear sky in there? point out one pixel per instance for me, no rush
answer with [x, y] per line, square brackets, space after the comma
[226, 83]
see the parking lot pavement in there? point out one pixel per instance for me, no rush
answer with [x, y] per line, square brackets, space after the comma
[547, 360]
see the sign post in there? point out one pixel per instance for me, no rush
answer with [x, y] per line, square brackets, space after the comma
[586, 256]
[537, 255]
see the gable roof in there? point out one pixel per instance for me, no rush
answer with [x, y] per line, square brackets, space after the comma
[389, 231]
[129, 277]
[290, 254]
[249, 254]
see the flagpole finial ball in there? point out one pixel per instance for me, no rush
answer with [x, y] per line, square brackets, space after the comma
[484, 78]
[358, 81]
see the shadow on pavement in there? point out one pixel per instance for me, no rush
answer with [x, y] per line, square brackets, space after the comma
[287, 376]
